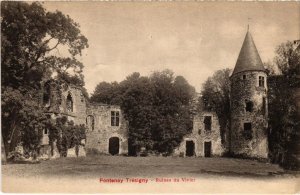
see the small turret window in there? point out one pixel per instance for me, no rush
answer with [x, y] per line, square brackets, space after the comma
[249, 106]
[244, 77]
[261, 81]
[248, 131]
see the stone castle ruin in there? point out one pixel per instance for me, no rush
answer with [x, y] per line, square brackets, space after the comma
[107, 129]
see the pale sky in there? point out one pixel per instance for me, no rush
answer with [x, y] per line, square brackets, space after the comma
[193, 39]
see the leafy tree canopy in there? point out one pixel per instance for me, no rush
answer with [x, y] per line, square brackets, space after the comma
[157, 108]
[29, 36]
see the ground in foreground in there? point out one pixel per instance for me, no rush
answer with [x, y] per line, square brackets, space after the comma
[120, 166]
[208, 174]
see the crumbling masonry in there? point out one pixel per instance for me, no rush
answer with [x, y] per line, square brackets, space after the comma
[108, 130]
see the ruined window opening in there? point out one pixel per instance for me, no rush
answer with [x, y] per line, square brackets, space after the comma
[90, 122]
[69, 103]
[249, 106]
[248, 131]
[261, 81]
[115, 118]
[46, 131]
[207, 123]
[244, 77]
[264, 106]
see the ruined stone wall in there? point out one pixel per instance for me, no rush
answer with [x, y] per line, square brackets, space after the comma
[78, 115]
[98, 138]
[57, 108]
[199, 136]
[243, 90]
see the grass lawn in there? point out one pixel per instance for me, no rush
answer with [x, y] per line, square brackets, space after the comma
[209, 174]
[120, 166]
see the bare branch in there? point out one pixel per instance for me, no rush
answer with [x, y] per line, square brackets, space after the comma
[54, 46]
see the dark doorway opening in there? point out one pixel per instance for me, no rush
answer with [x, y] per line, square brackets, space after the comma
[114, 145]
[190, 148]
[207, 149]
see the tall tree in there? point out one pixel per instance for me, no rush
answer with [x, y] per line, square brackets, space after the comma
[284, 112]
[216, 97]
[288, 59]
[29, 37]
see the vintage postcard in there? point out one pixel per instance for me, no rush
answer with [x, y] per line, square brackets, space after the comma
[150, 97]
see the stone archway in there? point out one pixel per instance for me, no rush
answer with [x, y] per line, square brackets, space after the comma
[114, 145]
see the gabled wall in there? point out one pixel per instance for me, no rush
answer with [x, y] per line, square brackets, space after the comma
[199, 136]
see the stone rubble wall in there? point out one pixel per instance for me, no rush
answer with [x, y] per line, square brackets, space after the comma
[199, 136]
[98, 139]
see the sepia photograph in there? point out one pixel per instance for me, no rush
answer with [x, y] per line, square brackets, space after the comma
[150, 97]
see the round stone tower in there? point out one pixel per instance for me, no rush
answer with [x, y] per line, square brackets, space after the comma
[248, 133]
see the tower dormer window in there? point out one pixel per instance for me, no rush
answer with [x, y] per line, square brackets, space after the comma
[244, 77]
[261, 81]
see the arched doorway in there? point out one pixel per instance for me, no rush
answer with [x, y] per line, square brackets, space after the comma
[114, 144]
[190, 148]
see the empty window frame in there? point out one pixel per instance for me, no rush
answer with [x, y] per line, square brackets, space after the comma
[249, 106]
[244, 77]
[115, 118]
[261, 81]
[207, 123]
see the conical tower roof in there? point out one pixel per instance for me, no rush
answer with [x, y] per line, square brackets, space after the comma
[249, 58]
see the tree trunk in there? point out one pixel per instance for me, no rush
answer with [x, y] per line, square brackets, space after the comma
[3, 154]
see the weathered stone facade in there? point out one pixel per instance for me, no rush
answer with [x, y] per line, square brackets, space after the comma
[252, 142]
[69, 101]
[205, 139]
[103, 127]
